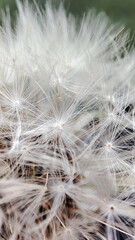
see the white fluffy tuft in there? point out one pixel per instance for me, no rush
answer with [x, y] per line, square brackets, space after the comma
[67, 127]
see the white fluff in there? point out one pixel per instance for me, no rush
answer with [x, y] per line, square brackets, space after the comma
[67, 127]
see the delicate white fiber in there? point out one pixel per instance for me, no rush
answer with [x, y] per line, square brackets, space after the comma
[67, 127]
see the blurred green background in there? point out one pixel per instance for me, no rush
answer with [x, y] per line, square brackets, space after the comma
[118, 10]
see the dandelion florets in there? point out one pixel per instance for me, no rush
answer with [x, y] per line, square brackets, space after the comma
[67, 127]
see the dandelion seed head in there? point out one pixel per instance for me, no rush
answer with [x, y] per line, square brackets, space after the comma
[66, 127]
[16, 103]
[112, 208]
[61, 188]
[58, 125]
[109, 146]
[112, 116]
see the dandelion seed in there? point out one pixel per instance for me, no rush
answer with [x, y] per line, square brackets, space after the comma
[66, 127]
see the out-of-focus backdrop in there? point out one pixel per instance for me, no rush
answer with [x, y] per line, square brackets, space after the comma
[122, 11]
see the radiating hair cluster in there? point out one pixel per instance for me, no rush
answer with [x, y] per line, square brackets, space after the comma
[67, 127]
